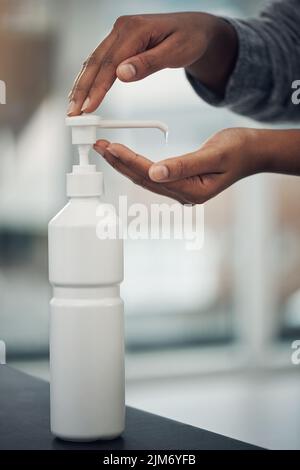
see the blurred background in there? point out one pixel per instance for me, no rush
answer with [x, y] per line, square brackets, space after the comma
[208, 333]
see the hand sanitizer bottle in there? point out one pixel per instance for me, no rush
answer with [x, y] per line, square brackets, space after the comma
[86, 311]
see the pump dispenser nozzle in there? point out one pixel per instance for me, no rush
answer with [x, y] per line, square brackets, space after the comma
[84, 127]
[85, 181]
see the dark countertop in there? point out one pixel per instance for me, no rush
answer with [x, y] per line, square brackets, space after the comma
[24, 424]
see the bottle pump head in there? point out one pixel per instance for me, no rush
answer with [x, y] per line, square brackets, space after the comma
[85, 180]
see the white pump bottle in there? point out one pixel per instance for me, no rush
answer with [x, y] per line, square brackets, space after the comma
[86, 311]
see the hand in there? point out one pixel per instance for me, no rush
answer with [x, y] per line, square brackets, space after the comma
[140, 45]
[196, 177]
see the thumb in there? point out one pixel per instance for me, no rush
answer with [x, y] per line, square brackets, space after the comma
[145, 63]
[172, 169]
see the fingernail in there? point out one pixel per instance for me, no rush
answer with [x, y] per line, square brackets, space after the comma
[126, 71]
[158, 172]
[71, 107]
[86, 104]
[99, 150]
[112, 151]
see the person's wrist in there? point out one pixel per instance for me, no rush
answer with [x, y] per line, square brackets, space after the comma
[277, 151]
[245, 149]
[258, 151]
[214, 67]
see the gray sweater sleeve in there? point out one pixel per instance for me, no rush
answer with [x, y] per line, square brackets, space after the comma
[268, 63]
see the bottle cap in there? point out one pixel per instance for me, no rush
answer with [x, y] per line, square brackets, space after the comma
[84, 181]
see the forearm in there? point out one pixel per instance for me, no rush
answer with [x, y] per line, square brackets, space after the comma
[214, 68]
[266, 65]
[274, 151]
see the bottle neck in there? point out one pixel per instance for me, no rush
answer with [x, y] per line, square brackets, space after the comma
[84, 182]
[86, 292]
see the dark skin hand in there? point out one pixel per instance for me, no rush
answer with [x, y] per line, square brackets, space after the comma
[225, 158]
[206, 46]
[140, 45]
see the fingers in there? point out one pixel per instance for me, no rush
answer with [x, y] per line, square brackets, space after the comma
[137, 173]
[98, 74]
[191, 179]
[130, 158]
[94, 86]
[195, 189]
[148, 62]
[122, 54]
[87, 75]
[179, 190]
[201, 162]
[138, 163]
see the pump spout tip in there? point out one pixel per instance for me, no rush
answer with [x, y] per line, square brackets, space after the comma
[163, 128]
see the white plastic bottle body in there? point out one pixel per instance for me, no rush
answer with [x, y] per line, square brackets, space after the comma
[87, 398]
